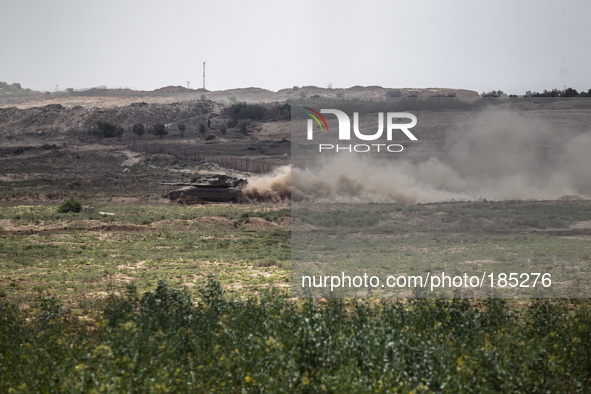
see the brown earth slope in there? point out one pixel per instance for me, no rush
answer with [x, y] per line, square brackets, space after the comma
[118, 97]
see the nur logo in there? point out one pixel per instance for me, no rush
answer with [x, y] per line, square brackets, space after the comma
[345, 129]
[345, 124]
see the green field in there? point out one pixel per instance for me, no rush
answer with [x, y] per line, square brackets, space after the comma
[82, 258]
[170, 298]
[455, 238]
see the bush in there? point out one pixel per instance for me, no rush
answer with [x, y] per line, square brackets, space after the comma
[203, 97]
[166, 339]
[393, 93]
[223, 129]
[243, 128]
[71, 205]
[267, 262]
[202, 128]
[260, 111]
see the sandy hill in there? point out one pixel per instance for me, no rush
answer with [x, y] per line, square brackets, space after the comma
[100, 97]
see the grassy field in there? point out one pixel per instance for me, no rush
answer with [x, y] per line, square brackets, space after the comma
[83, 257]
[161, 297]
[169, 298]
[452, 238]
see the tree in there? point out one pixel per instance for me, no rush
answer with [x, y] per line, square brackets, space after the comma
[182, 129]
[159, 130]
[109, 130]
[493, 93]
[139, 129]
[570, 92]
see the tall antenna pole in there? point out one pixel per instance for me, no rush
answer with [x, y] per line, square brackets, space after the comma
[203, 75]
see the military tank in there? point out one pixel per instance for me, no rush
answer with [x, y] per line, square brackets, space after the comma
[218, 188]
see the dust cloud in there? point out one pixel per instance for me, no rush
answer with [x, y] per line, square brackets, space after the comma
[275, 186]
[498, 155]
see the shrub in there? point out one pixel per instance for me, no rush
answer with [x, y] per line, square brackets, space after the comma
[72, 205]
[223, 129]
[243, 128]
[203, 97]
[202, 128]
[267, 262]
[248, 111]
[260, 111]
[165, 338]
[393, 93]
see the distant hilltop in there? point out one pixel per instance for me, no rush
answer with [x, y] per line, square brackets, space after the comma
[109, 97]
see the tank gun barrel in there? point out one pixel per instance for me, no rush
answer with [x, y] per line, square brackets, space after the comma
[179, 184]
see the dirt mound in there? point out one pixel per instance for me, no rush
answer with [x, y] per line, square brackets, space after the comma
[168, 223]
[285, 221]
[214, 221]
[255, 222]
[177, 89]
[573, 197]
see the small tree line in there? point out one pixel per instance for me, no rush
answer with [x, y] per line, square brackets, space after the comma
[566, 92]
[111, 130]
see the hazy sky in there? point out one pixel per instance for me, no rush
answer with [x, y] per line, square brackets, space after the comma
[480, 45]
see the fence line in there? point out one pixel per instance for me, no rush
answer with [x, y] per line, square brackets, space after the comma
[188, 154]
